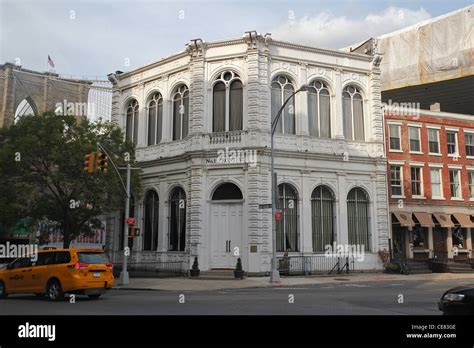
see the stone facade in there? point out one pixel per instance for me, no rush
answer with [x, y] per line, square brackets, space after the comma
[42, 91]
[302, 161]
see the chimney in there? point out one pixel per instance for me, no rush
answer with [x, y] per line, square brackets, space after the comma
[435, 107]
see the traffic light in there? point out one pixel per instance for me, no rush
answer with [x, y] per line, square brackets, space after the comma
[102, 164]
[90, 162]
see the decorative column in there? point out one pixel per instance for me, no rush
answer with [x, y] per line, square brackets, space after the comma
[341, 211]
[430, 242]
[301, 102]
[306, 225]
[469, 241]
[338, 129]
[449, 243]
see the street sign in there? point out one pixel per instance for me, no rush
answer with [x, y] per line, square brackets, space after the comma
[264, 206]
[130, 221]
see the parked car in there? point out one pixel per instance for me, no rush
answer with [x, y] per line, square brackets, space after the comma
[56, 272]
[459, 300]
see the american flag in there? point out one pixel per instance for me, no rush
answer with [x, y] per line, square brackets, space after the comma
[50, 62]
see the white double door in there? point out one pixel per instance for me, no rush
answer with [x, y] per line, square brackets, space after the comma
[226, 234]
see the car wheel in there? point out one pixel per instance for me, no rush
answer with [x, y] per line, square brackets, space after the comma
[54, 292]
[3, 290]
[94, 297]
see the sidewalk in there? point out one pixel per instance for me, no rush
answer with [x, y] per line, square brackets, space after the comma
[196, 284]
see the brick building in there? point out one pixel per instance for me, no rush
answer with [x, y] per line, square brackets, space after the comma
[430, 184]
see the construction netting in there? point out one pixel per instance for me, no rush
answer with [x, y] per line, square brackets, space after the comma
[439, 49]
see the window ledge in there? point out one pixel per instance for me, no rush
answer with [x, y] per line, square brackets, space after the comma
[453, 155]
[417, 152]
[457, 199]
[470, 157]
[418, 197]
[397, 151]
[435, 154]
[438, 198]
[393, 196]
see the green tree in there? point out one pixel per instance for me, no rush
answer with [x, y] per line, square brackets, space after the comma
[41, 170]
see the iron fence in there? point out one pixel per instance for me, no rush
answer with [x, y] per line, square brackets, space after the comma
[315, 264]
[153, 269]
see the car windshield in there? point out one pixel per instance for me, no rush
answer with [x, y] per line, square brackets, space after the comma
[93, 258]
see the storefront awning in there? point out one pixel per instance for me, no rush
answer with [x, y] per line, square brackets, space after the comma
[404, 218]
[464, 220]
[425, 219]
[444, 219]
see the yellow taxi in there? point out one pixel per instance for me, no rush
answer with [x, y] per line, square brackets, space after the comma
[56, 272]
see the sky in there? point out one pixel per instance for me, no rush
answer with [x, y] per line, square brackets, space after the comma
[93, 38]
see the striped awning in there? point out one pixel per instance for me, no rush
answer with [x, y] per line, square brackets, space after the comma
[444, 219]
[464, 219]
[425, 219]
[404, 218]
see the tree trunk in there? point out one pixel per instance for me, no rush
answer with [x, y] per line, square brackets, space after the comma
[66, 235]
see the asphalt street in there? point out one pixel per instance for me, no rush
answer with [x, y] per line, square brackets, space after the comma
[345, 298]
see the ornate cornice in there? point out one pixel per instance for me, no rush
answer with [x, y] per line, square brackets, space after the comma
[322, 50]
[196, 48]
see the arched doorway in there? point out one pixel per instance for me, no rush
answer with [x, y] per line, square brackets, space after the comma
[226, 222]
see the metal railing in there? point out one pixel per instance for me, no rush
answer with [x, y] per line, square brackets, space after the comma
[315, 264]
[154, 269]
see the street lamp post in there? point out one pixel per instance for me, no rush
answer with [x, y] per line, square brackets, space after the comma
[275, 274]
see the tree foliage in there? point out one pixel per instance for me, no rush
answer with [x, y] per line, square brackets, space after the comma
[42, 177]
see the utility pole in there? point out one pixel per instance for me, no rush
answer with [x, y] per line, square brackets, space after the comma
[124, 277]
[275, 274]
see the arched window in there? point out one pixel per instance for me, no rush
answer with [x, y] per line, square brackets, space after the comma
[322, 213]
[319, 110]
[155, 118]
[227, 99]
[151, 221]
[287, 227]
[358, 218]
[26, 107]
[282, 88]
[177, 239]
[180, 112]
[131, 127]
[227, 191]
[353, 113]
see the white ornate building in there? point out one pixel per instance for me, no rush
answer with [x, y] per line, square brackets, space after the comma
[188, 112]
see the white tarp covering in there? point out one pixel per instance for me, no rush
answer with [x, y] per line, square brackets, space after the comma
[439, 49]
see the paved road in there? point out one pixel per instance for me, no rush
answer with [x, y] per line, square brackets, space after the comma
[420, 298]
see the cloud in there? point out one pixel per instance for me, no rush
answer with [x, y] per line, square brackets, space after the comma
[328, 31]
